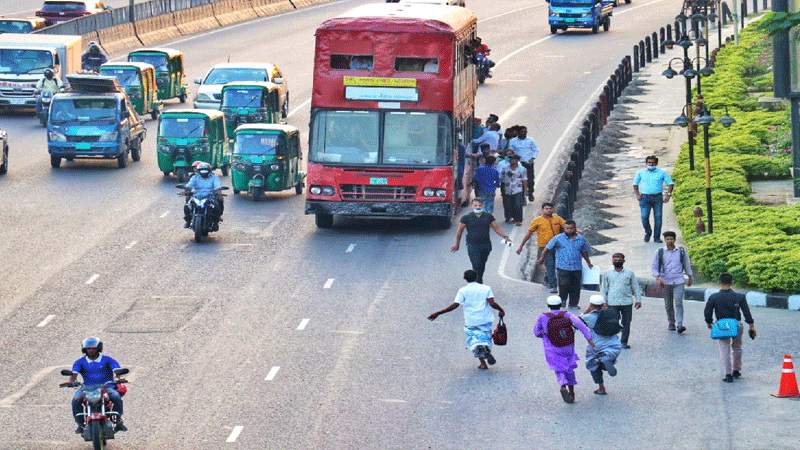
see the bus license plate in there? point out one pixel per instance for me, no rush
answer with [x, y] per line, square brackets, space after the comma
[83, 146]
[378, 181]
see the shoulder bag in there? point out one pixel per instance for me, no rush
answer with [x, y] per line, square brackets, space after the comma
[724, 329]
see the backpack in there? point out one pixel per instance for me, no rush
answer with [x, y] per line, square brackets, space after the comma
[661, 259]
[607, 322]
[559, 330]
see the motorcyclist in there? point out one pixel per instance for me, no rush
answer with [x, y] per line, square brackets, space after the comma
[482, 53]
[48, 83]
[93, 58]
[95, 369]
[204, 184]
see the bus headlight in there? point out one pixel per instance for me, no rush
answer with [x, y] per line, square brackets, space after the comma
[327, 190]
[316, 190]
[428, 192]
[441, 192]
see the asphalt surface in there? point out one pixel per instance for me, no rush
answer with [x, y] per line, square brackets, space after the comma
[273, 334]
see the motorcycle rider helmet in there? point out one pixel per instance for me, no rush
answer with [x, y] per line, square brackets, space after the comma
[204, 169]
[48, 73]
[94, 49]
[92, 342]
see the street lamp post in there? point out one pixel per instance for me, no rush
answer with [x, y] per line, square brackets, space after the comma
[705, 120]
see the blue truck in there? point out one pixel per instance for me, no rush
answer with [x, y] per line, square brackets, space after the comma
[94, 119]
[563, 14]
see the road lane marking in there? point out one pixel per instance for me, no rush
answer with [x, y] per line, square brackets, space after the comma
[507, 114]
[93, 278]
[165, 214]
[46, 320]
[350, 248]
[8, 401]
[347, 332]
[235, 433]
[130, 246]
[328, 283]
[272, 373]
[303, 324]
[511, 12]
[299, 107]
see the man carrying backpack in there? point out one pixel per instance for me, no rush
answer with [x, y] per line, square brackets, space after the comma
[558, 337]
[604, 324]
[669, 265]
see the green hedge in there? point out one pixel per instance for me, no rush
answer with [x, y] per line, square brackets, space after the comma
[759, 245]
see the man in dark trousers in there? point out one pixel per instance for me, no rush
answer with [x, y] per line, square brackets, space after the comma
[570, 247]
[479, 245]
[727, 304]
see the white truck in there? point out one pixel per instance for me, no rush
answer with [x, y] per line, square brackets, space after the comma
[23, 60]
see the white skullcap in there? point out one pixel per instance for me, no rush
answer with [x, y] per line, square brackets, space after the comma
[554, 300]
[596, 300]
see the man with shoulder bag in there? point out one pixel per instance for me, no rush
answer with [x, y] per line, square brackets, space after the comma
[726, 305]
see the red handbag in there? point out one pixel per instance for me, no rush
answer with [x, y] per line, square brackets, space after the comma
[500, 334]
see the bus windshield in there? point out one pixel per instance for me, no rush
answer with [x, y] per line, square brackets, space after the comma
[408, 138]
[260, 144]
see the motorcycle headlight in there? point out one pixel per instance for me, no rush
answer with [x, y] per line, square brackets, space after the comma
[428, 192]
[108, 137]
[93, 396]
[57, 137]
[275, 167]
[316, 190]
[441, 192]
[327, 190]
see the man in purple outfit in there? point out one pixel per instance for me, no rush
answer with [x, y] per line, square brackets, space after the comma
[556, 330]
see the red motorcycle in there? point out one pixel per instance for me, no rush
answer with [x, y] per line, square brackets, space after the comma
[99, 418]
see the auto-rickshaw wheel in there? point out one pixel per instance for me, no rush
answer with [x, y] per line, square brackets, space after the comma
[154, 114]
[180, 172]
[182, 98]
[236, 192]
[298, 188]
[166, 173]
[224, 169]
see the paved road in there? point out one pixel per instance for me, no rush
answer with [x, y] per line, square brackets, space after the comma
[311, 338]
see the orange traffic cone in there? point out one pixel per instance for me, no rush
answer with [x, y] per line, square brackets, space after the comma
[788, 380]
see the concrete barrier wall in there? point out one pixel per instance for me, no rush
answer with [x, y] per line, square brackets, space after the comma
[271, 7]
[232, 11]
[157, 29]
[118, 38]
[195, 20]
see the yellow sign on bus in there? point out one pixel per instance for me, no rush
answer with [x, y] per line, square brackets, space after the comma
[378, 81]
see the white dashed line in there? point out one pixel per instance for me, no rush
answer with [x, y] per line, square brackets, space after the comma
[130, 246]
[303, 324]
[235, 433]
[350, 248]
[272, 373]
[164, 215]
[93, 278]
[328, 283]
[46, 320]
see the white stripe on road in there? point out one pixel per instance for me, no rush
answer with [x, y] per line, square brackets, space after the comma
[350, 248]
[303, 324]
[507, 114]
[235, 433]
[272, 373]
[299, 107]
[164, 215]
[93, 278]
[130, 246]
[46, 320]
[328, 283]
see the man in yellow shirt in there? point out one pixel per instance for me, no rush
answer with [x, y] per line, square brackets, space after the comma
[545, 226]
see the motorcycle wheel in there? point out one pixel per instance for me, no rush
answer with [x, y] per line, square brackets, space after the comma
[481, 78]
[96, 429]
[180, 172]
[198, 229]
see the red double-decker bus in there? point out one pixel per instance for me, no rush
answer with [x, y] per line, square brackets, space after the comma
[394, 94]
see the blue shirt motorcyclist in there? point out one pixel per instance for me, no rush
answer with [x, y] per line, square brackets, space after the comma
[93, 58]
[95, 369]
[203, 185]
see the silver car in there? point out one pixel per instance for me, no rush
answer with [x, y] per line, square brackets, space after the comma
[210, 90]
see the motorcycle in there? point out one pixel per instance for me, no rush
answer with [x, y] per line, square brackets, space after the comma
[43, 106]
[204, 219]
[99, 418]
[483, 65]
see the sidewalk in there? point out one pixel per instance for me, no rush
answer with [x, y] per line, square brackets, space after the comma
[640, 125]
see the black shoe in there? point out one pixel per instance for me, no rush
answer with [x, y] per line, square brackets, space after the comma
[120, 427]
[489, 358]
[728, 378]
[79, 430]
[220, 220]
[681, 329]
[626, 346]
[647, 238]
[658, 241]
[186, 225]
[671, 327]
[215, 227]
[736, 374]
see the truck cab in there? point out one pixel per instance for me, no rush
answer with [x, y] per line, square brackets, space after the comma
[94, 119]
[563, 14]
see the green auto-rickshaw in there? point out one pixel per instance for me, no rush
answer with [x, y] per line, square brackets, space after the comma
[189, 135]
[170, 78]
[139, 80]
[250, 102]
[266, 157]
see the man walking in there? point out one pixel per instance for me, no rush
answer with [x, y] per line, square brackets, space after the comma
[479, 245]
[727, 304]
[516, 185]
[619, 288]
[558, 338]
[546, 226]
[487, 179]
[570, 247]
[478, 301]
[669, 265]
[648, 186]
[604, 325]
[526, 148]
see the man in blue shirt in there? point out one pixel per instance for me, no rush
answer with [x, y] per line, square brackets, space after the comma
[95, 369]
[570, 247]
[204, 184]
[648, 187]
[487, 179]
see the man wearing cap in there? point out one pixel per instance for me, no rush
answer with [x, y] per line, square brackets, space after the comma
[478, 301]
[560, 355]
[619, 288]
[606, 349]
[514, 178]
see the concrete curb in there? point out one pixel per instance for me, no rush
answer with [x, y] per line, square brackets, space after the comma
[229, 12]
[156, 29]
[195, 20]
[118, 38]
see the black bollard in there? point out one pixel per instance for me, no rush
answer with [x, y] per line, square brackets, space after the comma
[635, 58]
[648, 50]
